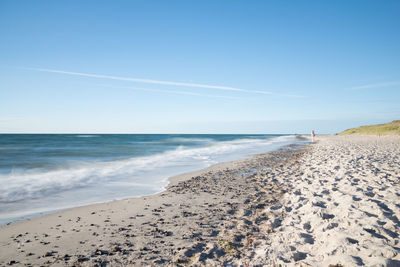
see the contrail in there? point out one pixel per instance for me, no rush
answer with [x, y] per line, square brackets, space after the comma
[142, 80]
[169, 91]
[375, 85]
[150, 81]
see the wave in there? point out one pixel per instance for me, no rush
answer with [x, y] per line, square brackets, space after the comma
[178, 140]
[188, 139]
[86, 135]
[146, 171]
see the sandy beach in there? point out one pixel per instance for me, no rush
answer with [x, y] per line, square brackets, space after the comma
[335, 201]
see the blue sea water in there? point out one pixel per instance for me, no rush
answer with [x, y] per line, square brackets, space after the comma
[41, 173]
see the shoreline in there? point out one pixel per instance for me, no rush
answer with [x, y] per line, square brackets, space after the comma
[73, 244]
[334, 201]
[173, 180]
[169, 180]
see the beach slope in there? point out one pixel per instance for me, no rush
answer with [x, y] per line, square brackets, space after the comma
[210, 217]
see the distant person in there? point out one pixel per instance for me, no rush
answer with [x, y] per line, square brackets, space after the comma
[312, 135]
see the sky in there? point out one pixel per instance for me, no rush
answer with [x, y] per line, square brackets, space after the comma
[198, 66]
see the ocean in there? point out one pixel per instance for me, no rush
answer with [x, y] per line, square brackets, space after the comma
[42, 173]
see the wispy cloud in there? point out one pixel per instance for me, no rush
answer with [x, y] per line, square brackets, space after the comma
[151, 81]
[8, 119]
[376, 85]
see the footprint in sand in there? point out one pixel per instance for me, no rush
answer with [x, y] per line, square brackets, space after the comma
[307, 226]
[309, 239]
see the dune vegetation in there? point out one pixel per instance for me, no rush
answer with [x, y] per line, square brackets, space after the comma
[378, 129]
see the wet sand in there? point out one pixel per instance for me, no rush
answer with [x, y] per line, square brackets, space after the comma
[332, 202]
[211, 216]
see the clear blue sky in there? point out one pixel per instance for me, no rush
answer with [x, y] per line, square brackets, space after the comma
[198, 66]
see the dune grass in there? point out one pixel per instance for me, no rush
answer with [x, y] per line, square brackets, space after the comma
[378, 129]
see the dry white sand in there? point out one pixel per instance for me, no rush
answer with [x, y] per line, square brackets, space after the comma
[337, 201]
[343, 206]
